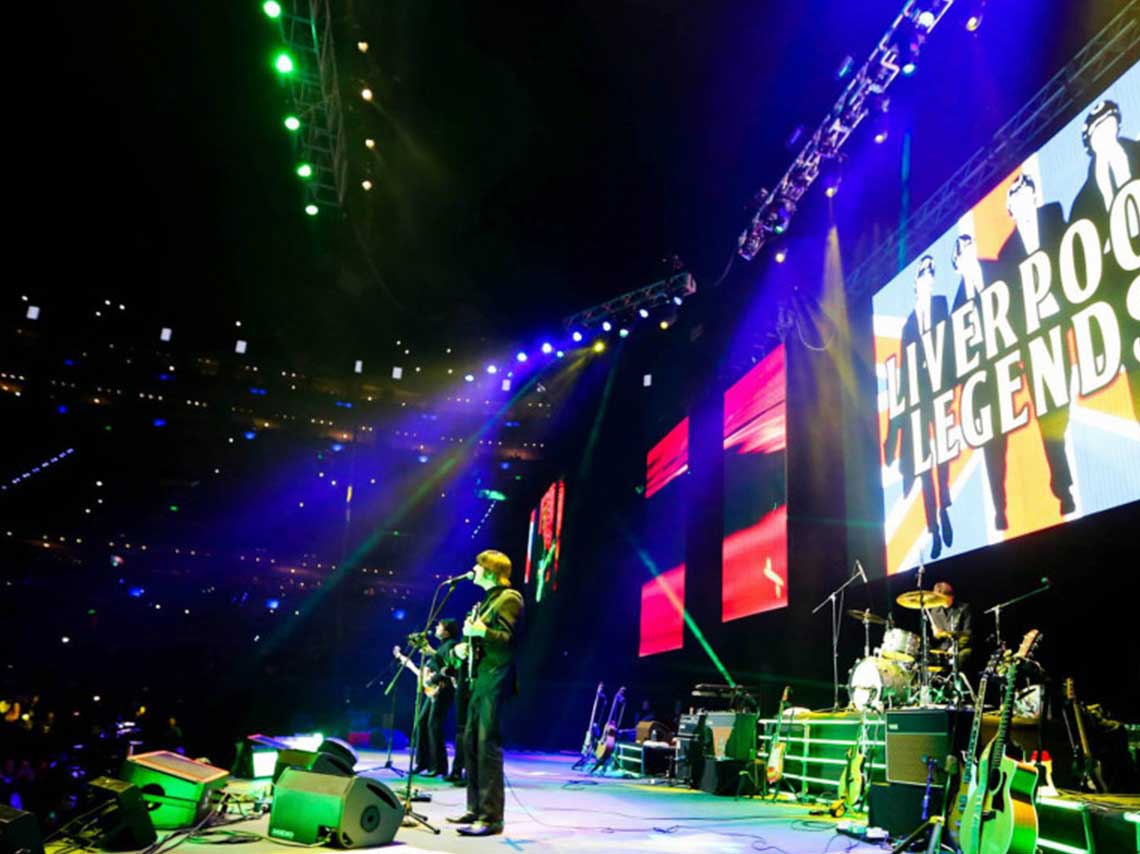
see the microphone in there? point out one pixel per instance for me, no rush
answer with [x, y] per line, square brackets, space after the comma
[467, 576]
[862, 572]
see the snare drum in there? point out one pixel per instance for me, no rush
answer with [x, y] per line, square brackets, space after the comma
[900, 645]
[878, 683]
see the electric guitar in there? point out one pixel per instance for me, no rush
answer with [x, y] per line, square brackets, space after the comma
[589, 742]
[608, 740]
[1001, 813]
[1090, 770]
[968, 780]
[431, 688]
[778, 745]
[853, 778]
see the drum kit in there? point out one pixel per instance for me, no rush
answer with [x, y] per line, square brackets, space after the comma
[903, 671]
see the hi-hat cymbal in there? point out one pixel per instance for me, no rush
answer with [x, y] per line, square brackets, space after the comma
[868, 617]
[916, 599]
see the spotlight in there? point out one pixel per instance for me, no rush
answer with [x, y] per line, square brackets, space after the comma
[781, 254]
[831, 177]
[664, 324]
[366, 184]
[607, 326]
[678, 300]
[780, 217]
[469, 378]
[283, 63]
[577, 336]
[292, 123]
[362, 47]
[166, 334]
[976, 10]
[643, 312]
[271, 8]
[492, 369]
[560, 354]
[305, 170]
[311, 210]
[520, 356]
[370, 143]
[547, 348]
[623, 333]
[599, 346]
[366, 94]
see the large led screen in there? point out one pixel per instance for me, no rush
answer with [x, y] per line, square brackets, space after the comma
[662, 626]
[544, 541]
[755, 548]
[1007, 352]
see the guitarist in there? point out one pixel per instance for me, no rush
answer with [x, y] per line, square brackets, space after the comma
[439, 695]
[491, 633]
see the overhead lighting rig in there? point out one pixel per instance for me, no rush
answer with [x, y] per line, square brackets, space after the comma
[671, 291]
[315, 118]
[776, 206]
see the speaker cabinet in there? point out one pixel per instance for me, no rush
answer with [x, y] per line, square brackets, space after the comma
[19, 832]
[313, 760]
[176, 789]
[124, 823]
[916, 735]
[351, 812]
[897, 809]
[721, 776]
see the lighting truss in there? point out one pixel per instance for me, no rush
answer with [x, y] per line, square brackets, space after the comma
[652, 296]
[314, 94]
[777, 205]
[1095, 65]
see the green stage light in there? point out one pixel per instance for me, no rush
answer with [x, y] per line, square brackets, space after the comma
[304, 170]
[292, 123]
[284, 63]
[271, 8]
[311, 210]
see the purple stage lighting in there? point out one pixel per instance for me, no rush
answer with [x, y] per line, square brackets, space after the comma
[577, 336]
[547, 348]
[520, 356]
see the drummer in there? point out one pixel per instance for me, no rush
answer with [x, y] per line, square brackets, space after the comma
[954, 621]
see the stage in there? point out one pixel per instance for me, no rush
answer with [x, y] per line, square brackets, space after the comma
[550, 807]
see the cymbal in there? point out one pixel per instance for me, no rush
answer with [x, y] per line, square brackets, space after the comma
[916, 599]
[868, 617]
[934, 668]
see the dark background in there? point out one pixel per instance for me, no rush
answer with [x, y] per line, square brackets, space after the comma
[532, 161]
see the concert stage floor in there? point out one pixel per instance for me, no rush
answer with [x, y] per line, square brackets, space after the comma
[551, 808]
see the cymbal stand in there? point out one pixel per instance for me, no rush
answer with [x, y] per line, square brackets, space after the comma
[833, 598]
[998, 608]
[866, 634]
[924, 672]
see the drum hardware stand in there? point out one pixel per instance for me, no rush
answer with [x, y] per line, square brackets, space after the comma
[924, 672]
[996, 610]
[833, 598]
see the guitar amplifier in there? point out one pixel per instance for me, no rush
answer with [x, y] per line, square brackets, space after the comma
[914, 735]
[688, 760]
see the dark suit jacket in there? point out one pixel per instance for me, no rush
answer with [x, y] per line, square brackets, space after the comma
[1051, 228]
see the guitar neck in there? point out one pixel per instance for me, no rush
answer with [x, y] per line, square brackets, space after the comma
[998, 750]
[975, 729]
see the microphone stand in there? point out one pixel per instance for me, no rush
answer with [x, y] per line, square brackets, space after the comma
[997, 609]
[833, 599]
[410, 815]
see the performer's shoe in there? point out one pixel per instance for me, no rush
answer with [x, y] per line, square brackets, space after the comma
[482, 828]
[455, 778]
[429, 773]
[466, 818]
[420, 770]
[947, 530]
[1001, 523]
[936, 543]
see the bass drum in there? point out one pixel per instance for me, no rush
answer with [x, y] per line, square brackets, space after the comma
[878, 684]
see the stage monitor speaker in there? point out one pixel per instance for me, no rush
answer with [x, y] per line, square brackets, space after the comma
[256, 757]
[124, 823]
[916, 735]
[340, 749]
[312, 760]
[19, 832]
[351, 812]
[176, 789]
[721, 776]
[653, 731]
[897, 809]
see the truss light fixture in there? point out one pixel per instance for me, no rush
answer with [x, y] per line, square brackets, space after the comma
[366, 184]
[311, 209]
[366, 94]
[292, 123]
[305, 170]
[362, 46]
[271, 8]
[369, 143]
[284, 63]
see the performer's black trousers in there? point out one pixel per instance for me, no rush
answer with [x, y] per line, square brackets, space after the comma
[432, 751]
[484, 751]
[462, 695]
